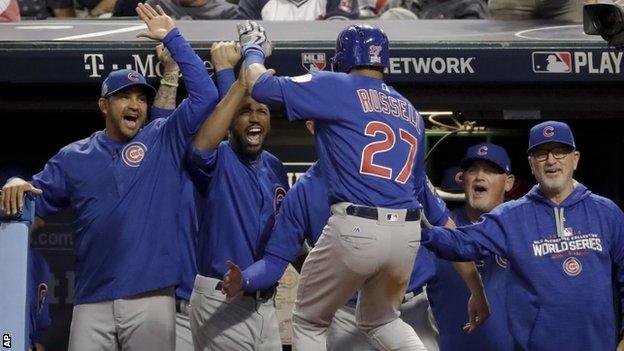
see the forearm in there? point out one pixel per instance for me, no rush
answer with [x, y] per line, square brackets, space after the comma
[470, 275]
[263, 274]
[225, 79]
[215, 127]
[202, 93]
[452, 244]
[167, 92]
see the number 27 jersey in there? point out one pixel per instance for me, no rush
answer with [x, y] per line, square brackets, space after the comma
[369, 138]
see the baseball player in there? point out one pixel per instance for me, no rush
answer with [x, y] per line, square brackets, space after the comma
[303, 214]
[369, 139]
[563, 244]
[124, 185]
[486, 177]
[241, 187]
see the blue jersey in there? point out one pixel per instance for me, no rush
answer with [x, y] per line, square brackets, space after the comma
[449, 295]
[187, 227]
[305, 212]
[561, 261]
[370, 138]
[239, 199]
[126, 195]
[38, 304]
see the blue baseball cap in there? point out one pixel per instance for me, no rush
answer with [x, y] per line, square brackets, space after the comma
[487, 152]
[449, 183]
[124, 78]
[550, 132]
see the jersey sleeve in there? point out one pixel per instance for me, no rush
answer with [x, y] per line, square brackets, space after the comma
[202, 95]
[617, 254]
[291, 227]
[201, 166]
[435, 208]
[225, 79]
[158, 113]
[52, 181]
[310, 96]
[469, 243]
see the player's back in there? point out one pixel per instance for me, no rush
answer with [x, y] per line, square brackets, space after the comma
[372, 140]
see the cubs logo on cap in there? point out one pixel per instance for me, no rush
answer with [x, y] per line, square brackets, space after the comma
[125, 78]
[572, 266]
[550, 132]
[134, 153]
[482, 150]
[134, 76]
[487, 152]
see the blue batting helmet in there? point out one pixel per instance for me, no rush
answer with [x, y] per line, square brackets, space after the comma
[361, 45]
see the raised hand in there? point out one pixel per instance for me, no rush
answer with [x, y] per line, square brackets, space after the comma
[251, 33]
[166, 61]
[158, 23]
[12, 195]
[232, 280]
[224, 54]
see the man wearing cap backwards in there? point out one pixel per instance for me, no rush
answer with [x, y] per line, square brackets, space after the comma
[563, 244]
[123, 184]
[485, 176]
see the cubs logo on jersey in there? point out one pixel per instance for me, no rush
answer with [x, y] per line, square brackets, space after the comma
[572, 266]
[501, 261]
[42, 295]
[280, 192]
[134, 153]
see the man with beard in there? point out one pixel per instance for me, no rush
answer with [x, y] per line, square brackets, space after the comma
[564, 246]
[124, 185]
[485, 177]
[240, 187]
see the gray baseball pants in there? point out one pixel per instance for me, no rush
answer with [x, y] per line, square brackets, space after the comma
[374, 256]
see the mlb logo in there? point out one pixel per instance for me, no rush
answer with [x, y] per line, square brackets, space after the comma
[568, 232]
[313, 61]
[392, 217]
[552, 62]
[374, 51]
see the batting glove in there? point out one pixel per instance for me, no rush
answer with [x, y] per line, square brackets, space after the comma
[252, 35]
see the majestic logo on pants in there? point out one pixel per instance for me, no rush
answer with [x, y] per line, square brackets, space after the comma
[133, 154]
[572, 266]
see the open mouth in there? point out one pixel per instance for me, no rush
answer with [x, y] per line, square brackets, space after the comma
[254, 135]
[131, 121]
[479, 189]
[552, 172]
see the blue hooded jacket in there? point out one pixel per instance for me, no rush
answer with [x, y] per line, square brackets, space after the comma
[562, 259]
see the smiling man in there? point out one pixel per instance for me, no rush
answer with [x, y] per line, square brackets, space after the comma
[124, 185]
[241, 187]
[564, 247]
[485, 177]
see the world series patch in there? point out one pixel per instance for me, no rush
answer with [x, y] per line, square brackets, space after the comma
[134, 153]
